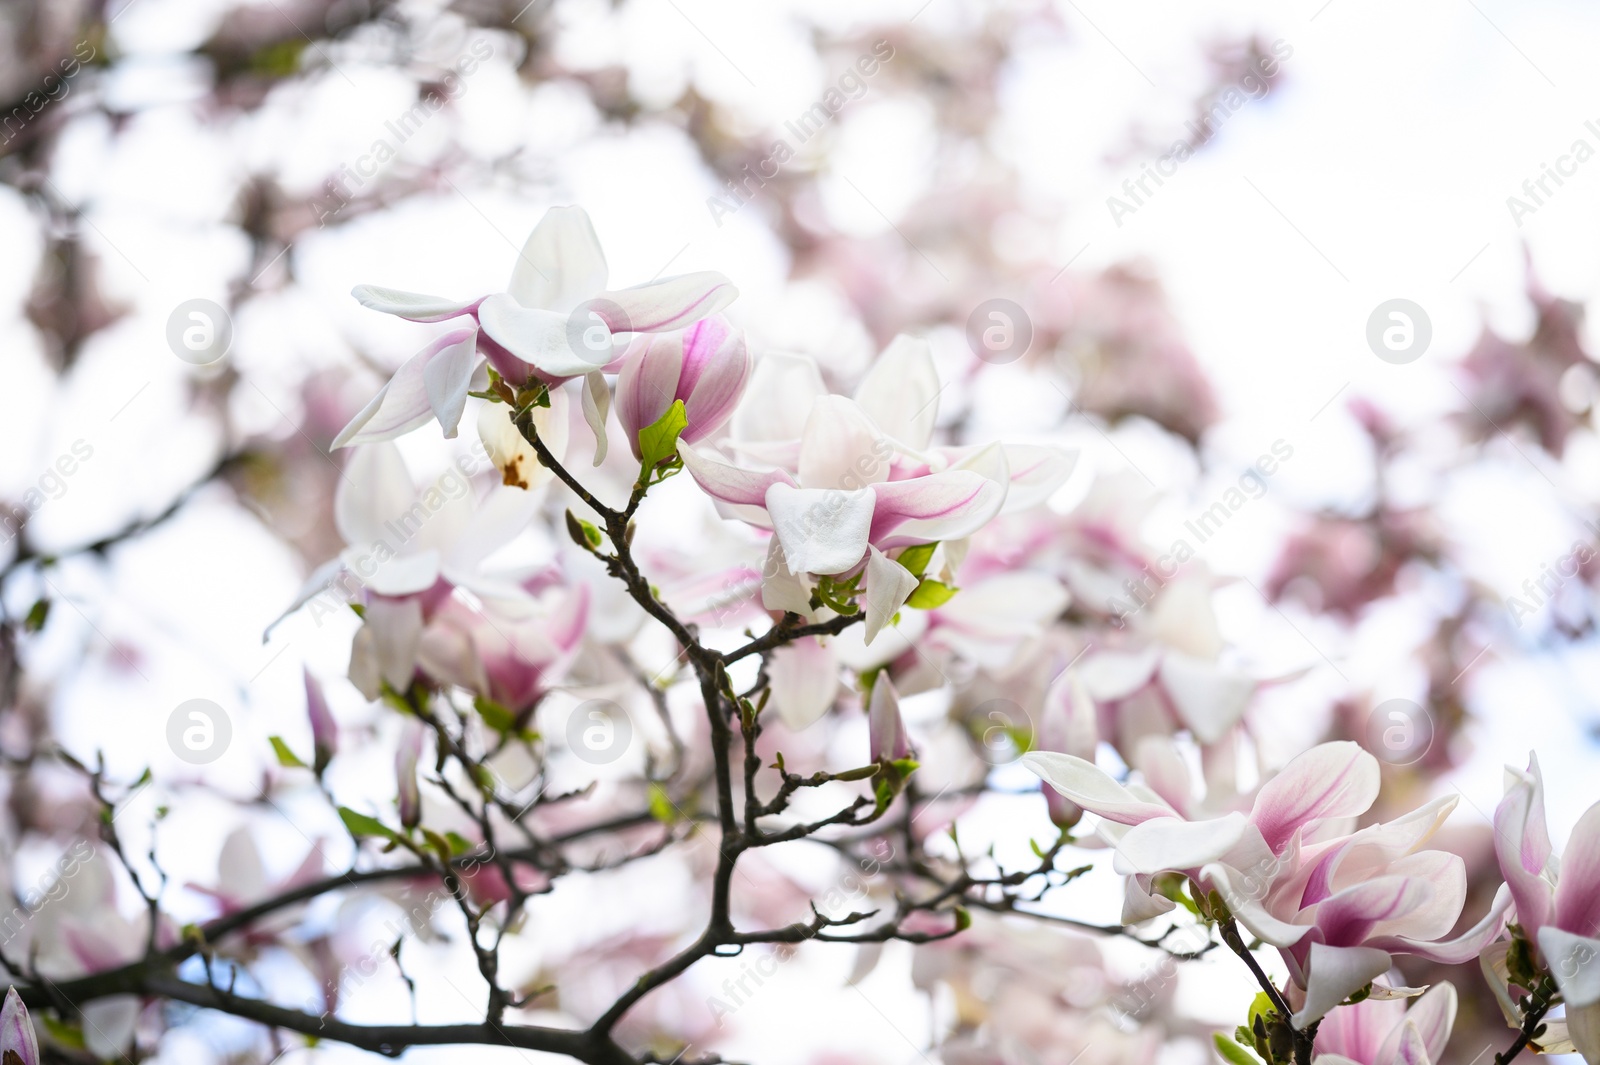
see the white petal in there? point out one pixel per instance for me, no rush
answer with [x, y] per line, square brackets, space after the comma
[841, 448]
[559, 345]
[1163, 843]
[375, 488]
[822, 530]
[777, 401]
[661, 306]
[781, 588]
[888, 586]
[1334, 973]
[1574, 961]
[1091, 788]
[1209, 699]
[412, 305]
[561, 265]
[432, 383]
[596, 405]
[901, 391]
[805, 682]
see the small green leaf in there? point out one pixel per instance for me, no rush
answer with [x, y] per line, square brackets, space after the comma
[931, 594]
[494, 715]
[661, 806]
[963, 920]
[360, 825]
[286, 758]
[917, 557]
[459, 844]
[658, 442]
[1232, 1052]
[68, 1035]
[37, 615]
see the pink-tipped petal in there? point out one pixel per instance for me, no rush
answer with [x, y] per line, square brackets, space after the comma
[1331, 780]
[432, 383]
[1578, 890]
[324, 730]
[16, 1032]
[648, 382]
[1522, 845]
[886, 727]
[716, 365]
[661, 306]
[728, 483]
[561, 265]
[940, 506]
[1421, 1038]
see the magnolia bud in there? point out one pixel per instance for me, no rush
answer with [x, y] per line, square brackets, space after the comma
[705, 366]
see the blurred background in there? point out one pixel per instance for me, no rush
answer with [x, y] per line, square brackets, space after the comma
[1199, 217]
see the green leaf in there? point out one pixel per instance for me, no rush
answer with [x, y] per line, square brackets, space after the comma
[1232, 1052]
[37, 615]
[360, 825]
[658, 442]
[68, 1035]
[931, 594]
[917, 557]
[459, 844]
[661, 806]
[494, 715]
[963, 920]
[286, 758]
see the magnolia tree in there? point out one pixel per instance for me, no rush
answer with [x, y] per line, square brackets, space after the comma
[711, 668]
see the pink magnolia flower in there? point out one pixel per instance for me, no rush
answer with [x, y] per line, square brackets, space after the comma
[508, 651]
[860, 478]
[554, 321]
[1336, 904]
[705, 366]
[18, 1044]
[1557, 903]
[1384, 1032]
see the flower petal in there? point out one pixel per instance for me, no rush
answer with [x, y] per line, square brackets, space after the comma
[1431, 1017]
[16, 1031]
[822, 530]
[841, 447]
[1334, 974]
[771, 418]
[1091, 788]
[1574, 962]
[900, 391]
[557, 345]
[1330, 780]
[432, 383]
[1164, 843]
[728, 483]
[885, 727]
[411, 305]
[804, 676]
[561, 265]
[1522, 845]
[940, 506]
[596, 405]
[1209, 699]
[888, 586]
[1462, 948]
[1578, 890]
[671, 303]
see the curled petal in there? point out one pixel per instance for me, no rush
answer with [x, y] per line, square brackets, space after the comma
[1522, 845]
[596, 405]
[1422, 1037]
[728, 483]
[660, 306]
[561, 265]
[1462, 948]
[411, 305]
[888, 586]
[432, 383]
[885, 725]
[1163, 843]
